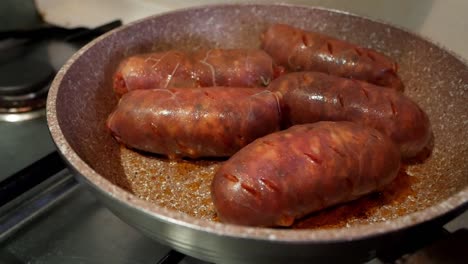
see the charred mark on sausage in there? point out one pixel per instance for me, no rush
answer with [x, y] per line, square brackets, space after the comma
[270, 185]
[250, 190]
[231, 177]
[359, 53]
[208, 95]
[375, 136]
[392, 105]
[340, 99]
[365, 92]
[313, 158]
[341, 154]
[269, 143]
[330, 48]
[185, 148]
[304, 40]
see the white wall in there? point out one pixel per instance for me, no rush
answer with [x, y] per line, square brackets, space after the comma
[445, 21]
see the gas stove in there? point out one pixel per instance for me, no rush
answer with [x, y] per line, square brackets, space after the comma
[48, 217]
[25, 74]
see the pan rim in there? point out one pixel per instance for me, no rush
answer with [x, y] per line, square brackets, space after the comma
[159, 213]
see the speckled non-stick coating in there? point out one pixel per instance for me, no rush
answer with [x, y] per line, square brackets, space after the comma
[81, 98]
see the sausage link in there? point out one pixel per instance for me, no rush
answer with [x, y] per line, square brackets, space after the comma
[215, 67]
[289, 174]
[299, 50]
[194, 122]
[309, 97]
[233, 67]
[154, 70]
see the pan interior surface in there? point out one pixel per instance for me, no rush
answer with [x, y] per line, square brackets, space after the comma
[434, 78]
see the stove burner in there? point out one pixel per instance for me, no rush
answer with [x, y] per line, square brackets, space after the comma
[27, 65]
[24, 86]
[18, 117]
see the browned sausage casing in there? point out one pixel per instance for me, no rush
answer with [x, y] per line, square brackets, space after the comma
[300, 50]
[289, 174]
[154, 70]
[309, 97]
[233, 67]
[215, 67]
[194, 122]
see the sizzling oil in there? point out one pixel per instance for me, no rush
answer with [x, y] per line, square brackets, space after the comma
[185, 186]
[375, 207]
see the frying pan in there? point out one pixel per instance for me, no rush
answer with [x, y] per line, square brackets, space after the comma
[169, 201]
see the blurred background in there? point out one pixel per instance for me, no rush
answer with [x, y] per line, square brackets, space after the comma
[444, 21]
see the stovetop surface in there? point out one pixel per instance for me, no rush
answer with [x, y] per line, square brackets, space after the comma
[23, 143]
[79, 229]
[80, 224]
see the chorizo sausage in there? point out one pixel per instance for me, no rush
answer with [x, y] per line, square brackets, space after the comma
[299, 50]
[153, 70]
[215, 67]
[233, 67]
[194, 122]
[309, 97]
[289, 174]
